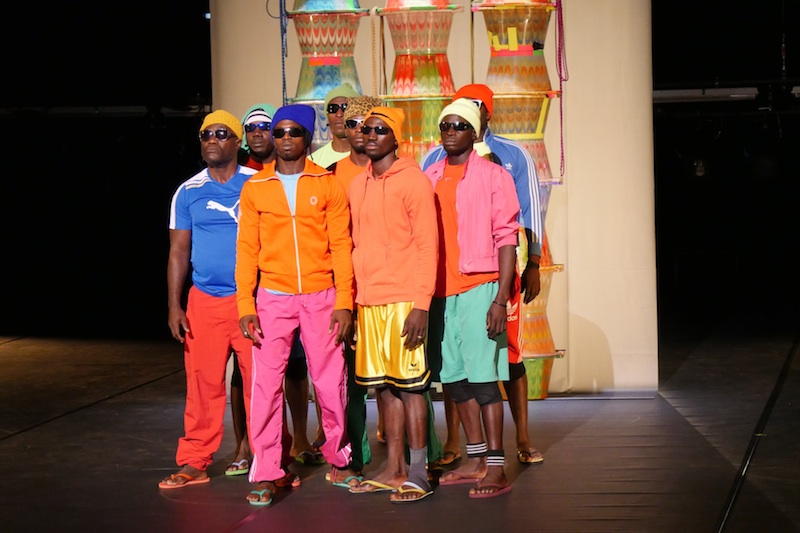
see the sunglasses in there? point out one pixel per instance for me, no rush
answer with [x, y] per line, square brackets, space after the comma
[353, 123]
[334, 108]
[477, 102]
[221, 135]
[263, 126]
[293, 132]
[379, 130]
[458, 126]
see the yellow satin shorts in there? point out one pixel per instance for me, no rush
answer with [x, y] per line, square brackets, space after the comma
[381, 357]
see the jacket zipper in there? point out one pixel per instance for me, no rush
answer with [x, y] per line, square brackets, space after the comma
[297, 256]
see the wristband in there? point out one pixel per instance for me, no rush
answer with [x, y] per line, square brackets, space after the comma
[498, 303]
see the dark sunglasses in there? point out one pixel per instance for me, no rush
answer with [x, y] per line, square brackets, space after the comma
[221, 135]
[263, 126]
[334, 108]
[293, 132]
[379, 130]
[458, 126]
[353, 123]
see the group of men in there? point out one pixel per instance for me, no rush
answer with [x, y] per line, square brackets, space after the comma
[281, 249]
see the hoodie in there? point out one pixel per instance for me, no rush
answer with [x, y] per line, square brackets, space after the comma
[395, 236]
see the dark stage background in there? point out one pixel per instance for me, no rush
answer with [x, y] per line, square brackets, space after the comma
[100, 121]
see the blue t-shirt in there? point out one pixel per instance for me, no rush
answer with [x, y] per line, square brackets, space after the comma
[289, 182]
[211, 211]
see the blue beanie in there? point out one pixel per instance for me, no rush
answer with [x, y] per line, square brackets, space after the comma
[300, 113]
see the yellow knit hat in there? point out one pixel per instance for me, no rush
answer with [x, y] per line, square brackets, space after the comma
[465, 109]
[221, 116]
[392, 116]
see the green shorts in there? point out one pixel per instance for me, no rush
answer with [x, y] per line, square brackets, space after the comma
[467, 352]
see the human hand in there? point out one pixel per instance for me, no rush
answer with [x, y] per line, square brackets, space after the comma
[344, 318]
[251, 328]
[531, 283]
[496, 319]
[177, 322]
[414, 328]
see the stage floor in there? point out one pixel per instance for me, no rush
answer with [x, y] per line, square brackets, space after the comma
[89, 427]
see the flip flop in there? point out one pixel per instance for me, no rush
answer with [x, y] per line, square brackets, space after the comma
[288, 481]
[333, 472]
[242, 467]
[190, 480]
[307, 457]
[531, 456]
[457, 478]
[500, 490]
[346, 483]
[413, 488]
[260, 494]
[328, 474]
[379, 487]
[449, 458]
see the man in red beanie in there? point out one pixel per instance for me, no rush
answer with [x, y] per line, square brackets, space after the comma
[519, 163]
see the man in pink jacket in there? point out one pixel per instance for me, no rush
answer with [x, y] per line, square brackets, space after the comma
[477, 208]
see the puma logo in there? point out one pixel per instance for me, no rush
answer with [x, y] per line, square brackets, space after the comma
[216, 206]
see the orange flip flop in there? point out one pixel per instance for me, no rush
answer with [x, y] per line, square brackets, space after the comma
[190, 480]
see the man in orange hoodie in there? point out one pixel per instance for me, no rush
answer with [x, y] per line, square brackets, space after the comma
[293, 269]
[394, 259]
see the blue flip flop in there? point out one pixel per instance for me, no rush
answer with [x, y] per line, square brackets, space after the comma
[260, 494]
